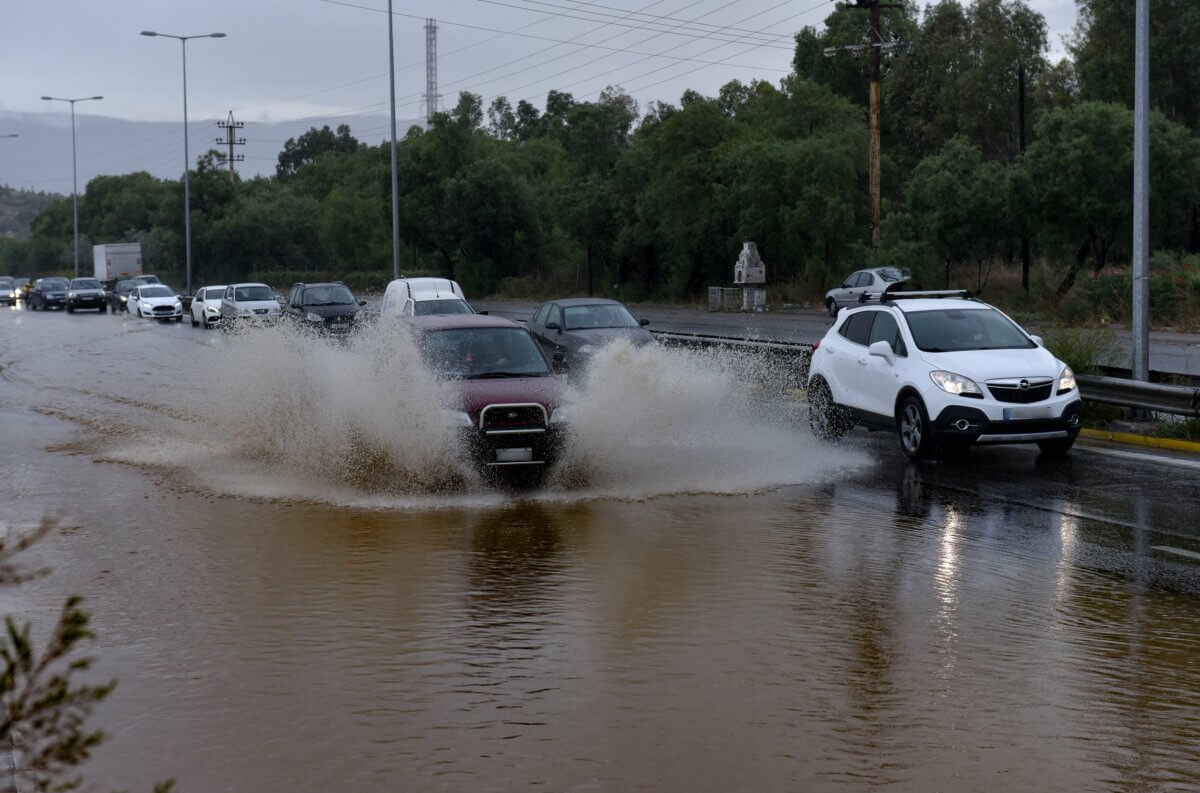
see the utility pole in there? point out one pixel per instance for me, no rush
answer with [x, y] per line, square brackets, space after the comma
[432, 98]
[395, 173]
[1026, 256]
[875, 48]
[230, 126]
[1141, 194]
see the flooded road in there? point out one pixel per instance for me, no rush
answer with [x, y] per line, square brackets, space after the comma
[709, 601]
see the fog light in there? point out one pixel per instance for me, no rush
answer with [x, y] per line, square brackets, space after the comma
[962, 424]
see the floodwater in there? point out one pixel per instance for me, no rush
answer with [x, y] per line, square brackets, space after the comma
[300, 588]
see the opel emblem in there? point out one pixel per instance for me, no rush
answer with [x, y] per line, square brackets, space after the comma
[512, 414]
[1023, 385]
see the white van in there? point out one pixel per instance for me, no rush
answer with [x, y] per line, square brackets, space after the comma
[414, 297]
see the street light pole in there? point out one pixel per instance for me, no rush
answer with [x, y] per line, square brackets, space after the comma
[395, 178]
[74, 169]
[187, 162]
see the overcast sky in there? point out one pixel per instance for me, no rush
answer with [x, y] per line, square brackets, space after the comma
[289, 59]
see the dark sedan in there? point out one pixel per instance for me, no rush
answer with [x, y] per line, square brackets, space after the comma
[576, 328]
[49, 293]
[118, 298]
[87, 293]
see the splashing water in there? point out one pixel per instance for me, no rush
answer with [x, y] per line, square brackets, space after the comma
[366, 414]
[287, 414]
[653, 420]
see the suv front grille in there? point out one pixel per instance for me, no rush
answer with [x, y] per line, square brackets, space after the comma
[511, 417]
[164, 309]
[1009, 391]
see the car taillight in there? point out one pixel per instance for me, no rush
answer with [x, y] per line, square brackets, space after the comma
[894, 286]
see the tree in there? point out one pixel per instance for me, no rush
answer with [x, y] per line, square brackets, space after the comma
[311, 146]
[1079, 177]
[961, 206]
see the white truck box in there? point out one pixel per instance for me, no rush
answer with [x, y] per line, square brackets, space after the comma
[117, 260]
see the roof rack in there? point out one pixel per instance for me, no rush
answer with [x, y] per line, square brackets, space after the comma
[888, 297]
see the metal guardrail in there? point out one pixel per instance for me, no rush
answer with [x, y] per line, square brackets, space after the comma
[1154, 397]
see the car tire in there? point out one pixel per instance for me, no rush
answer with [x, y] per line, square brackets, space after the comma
[179, 318]
[70, 308]
[913, 429]
[831, 305]
[194, 322]
[826, 418]
[103, 308]
[1057, 447]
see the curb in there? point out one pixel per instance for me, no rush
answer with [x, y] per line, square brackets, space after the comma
[1142, 440]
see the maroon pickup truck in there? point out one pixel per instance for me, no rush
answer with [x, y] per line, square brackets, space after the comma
[509, 401]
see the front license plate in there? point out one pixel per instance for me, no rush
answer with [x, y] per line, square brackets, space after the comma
[336, 326]
[1033, 412]
[524, 455]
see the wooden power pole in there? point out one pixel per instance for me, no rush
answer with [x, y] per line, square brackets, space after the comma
[875, 48]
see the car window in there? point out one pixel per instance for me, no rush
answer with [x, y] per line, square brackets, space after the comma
[426, 307]
[953, 330]
[254, 293]
[539, 318]
[482, 352]
[865, 279]
[893, 274]
[857, 327]
[885, 328]
[335, 295]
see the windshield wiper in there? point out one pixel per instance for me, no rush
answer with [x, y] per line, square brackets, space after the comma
[490, 375]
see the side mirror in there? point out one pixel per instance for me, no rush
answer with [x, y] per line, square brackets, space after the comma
[553, 326]
[882, 349]
[643, 322]
[1038, 341]
[362, 302]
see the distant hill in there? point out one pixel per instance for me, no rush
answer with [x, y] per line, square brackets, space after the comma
[18, 208]
[40, 157]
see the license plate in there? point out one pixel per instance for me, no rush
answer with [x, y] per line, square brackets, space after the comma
[1018, 414]
[524, 455]
[336, 326]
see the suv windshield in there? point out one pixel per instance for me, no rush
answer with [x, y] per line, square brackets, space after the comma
[953, 330]
[328, 296]
[54, 283]
[156, 291]
[601, 315]
[253, 293]
[423, 307]
[483, 352]
[86, 283]
[892, 274]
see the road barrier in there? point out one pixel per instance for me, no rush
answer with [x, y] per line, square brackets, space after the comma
[1153, 397]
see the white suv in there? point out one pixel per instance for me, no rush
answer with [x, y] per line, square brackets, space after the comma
[942, 370]
[415, 297]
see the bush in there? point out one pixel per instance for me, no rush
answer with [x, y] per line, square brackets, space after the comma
[1083, 349]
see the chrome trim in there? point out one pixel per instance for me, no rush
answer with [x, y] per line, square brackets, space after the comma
[1028, 436]
[1010, 382]
[533, 431]
[538, 405]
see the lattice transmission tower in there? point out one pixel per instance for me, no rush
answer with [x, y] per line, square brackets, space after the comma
[432, 99]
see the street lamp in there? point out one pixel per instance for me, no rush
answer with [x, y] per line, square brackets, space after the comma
[187, 165]
[74, 170]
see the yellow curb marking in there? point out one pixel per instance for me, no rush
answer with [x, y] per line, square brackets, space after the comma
[1143, 440]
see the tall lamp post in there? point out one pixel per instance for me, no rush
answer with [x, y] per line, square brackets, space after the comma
[187, 164]
[74, 170]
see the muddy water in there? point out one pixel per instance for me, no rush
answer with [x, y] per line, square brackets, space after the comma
[714, 604]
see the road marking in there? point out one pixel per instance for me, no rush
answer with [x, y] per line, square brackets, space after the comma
[1151, 458]
[1177, 551]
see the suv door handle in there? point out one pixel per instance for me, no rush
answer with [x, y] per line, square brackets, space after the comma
[862, 361]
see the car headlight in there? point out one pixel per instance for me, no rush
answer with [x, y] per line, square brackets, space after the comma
[243, 312]
[124, 299]
[459, 418]
[313, 316]
[212, 309]
[178, 306]
[562, 414]
[71, 295]
[1066, 380]
[586, 349]
[953, 383]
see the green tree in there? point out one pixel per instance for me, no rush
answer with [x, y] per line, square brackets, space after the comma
[311, 146]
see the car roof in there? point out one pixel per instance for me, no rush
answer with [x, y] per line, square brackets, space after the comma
[321, 283]
[430, 322]
[249, 283]
[431, 288]
[926, 304]
[585, 301]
